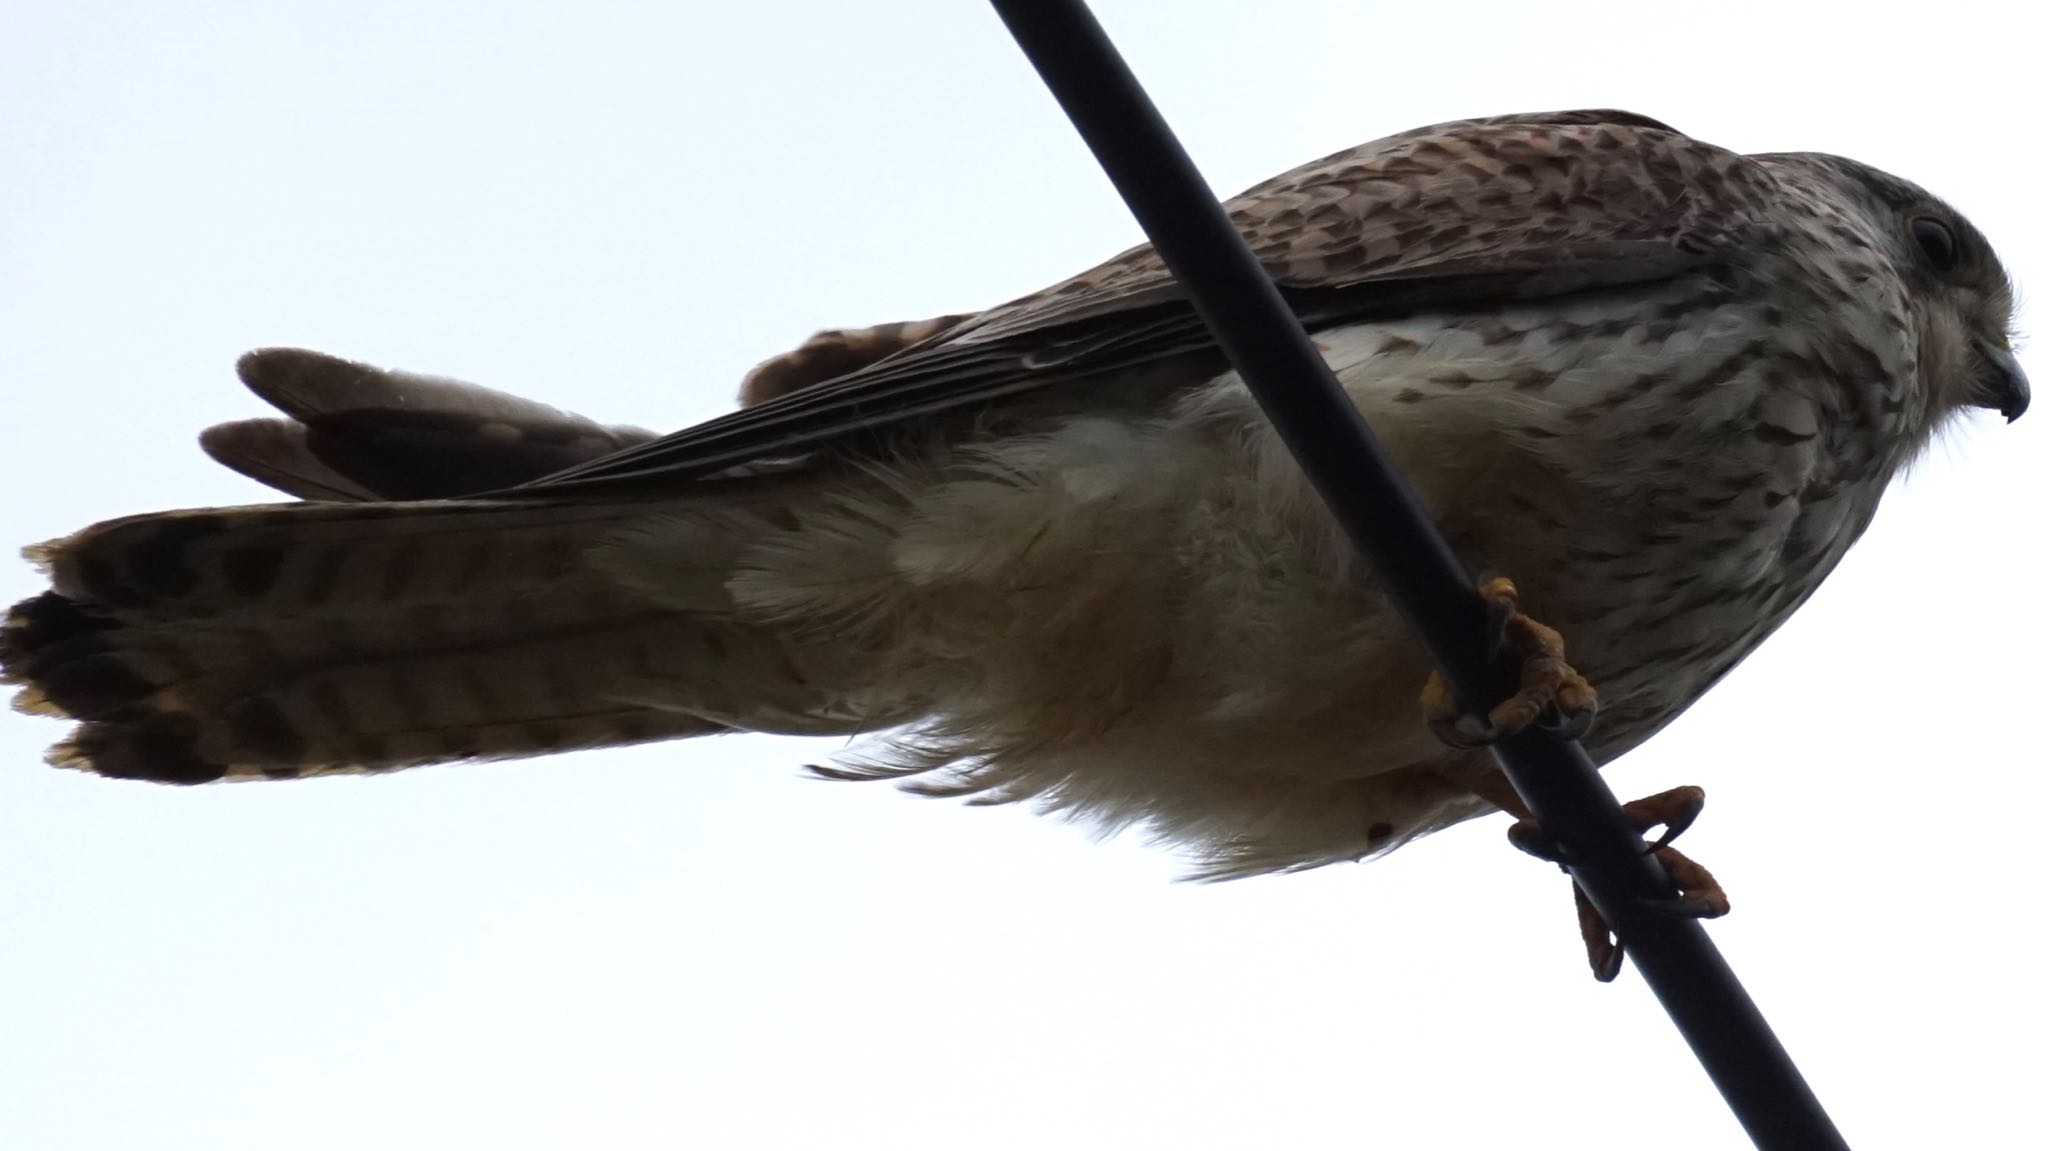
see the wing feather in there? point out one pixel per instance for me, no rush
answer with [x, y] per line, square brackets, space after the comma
[362, 433]
[1468, 214]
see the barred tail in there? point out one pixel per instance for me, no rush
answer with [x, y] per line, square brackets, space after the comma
[302, 639]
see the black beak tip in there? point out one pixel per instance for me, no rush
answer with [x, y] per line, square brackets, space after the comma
[2010, 392]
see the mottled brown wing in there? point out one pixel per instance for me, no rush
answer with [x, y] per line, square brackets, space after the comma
[358, 433]
[1458, 215]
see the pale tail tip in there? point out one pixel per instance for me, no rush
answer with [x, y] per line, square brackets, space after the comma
[31, 701]
[68, 756]
[42, 556]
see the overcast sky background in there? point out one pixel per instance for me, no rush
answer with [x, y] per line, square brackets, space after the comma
[621, 210]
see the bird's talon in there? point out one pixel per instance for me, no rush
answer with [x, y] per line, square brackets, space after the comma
[1606, 967]
[1673, 810]
[1568, 724]
[1699, 894]
[1549, 692]
[1603, 947]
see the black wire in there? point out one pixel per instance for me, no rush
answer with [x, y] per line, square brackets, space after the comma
[1554, 776]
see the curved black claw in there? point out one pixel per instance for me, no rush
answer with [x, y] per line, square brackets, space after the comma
[1572, 725]
[1608, 966]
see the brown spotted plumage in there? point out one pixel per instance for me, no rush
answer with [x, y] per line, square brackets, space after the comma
[1050, 551]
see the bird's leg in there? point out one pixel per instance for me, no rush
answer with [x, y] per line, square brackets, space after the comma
[1547, 685]
[1550, 689]
[1700, 895]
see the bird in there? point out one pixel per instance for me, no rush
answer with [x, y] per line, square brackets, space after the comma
[1049, 552]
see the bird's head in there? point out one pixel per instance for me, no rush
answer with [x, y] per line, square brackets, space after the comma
[1958, 301]
[1964, 308]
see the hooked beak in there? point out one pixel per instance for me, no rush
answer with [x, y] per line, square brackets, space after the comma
[2006, 387]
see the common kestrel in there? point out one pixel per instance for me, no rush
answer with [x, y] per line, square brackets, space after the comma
[1050, 551]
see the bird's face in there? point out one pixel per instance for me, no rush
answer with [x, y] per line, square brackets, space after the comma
[1964, 306]
[1953, 297]
[1960, 298]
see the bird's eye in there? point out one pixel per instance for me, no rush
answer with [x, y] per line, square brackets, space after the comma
[1937, 242]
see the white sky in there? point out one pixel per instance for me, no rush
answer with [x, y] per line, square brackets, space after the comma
[690, 945]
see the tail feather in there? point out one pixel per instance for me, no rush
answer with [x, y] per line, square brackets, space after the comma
[377, 708]
[313, 559]
[315, 638]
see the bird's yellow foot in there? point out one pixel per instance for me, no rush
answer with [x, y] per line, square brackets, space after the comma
[1548, 686]
[1700, 895]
